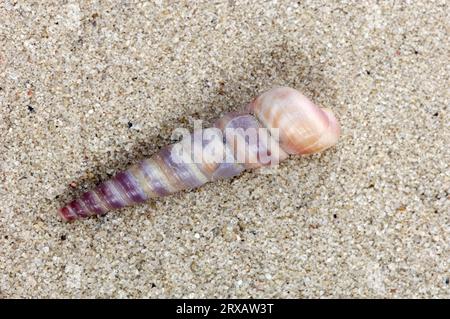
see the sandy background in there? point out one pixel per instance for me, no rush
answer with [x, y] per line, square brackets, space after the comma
[87, 88]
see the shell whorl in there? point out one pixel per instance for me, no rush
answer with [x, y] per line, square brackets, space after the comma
[280, 122]
[303, 127]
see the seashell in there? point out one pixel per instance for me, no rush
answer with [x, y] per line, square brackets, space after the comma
[277, 123]
[304, 128]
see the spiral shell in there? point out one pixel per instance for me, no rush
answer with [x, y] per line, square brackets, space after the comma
[279, 122]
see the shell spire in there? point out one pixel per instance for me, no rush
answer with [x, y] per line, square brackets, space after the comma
[277, 123]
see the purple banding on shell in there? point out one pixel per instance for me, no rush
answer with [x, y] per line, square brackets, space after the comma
[252, 144]
[91, 202]
[206, 151]
[78, 208]
[227, 170]
[67, 214]
[241, 134]
[110, 195]
[156, 185]
[182, 170]
[283, 122]
[131, 187]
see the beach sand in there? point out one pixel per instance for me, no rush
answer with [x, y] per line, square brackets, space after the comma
[88, 88]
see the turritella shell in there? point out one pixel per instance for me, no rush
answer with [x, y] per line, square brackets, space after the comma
[279, 122]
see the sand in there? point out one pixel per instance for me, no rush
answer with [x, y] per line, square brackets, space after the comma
[87, 88]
